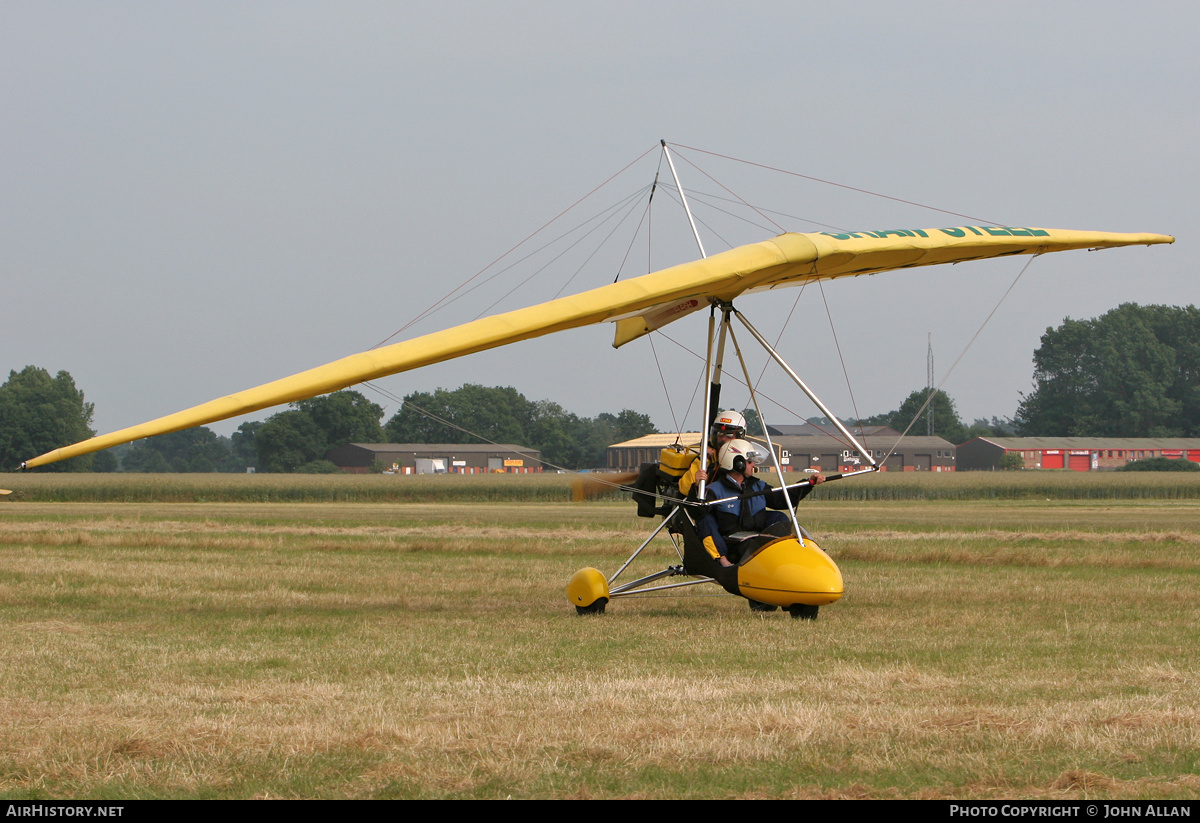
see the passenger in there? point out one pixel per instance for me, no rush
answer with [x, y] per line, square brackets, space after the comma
[745, 503]
[728, 425]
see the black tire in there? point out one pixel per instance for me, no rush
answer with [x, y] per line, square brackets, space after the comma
[799, 611]
[595, 608]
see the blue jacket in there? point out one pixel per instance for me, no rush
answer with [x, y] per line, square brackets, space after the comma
[747, 511]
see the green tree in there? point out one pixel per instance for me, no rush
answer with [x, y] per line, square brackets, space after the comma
[946, 423]
[1012, 461]
[105, 461]
[39, 413]
[754, 426]
[241, 446]
[504, 415]
[287, 441]
[1160, 464]
[628, 424]
[597, 435]
[144, 459]
[884, 419]
[1132, 372]
[555, 432]
[501, 415]
[190, 450]
[344, 417]
[319, 467]
[996, 427]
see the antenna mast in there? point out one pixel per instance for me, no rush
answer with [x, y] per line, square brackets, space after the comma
[929, 386]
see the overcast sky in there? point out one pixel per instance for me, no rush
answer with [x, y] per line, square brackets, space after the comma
[202, 197]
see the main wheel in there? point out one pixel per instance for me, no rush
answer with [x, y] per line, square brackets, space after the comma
[595, 608]
[802, 612]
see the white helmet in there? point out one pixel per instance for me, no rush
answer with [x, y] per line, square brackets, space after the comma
[729, 422]
[735, 454]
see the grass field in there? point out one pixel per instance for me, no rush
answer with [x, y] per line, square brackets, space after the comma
[985, 648]
[556, 488]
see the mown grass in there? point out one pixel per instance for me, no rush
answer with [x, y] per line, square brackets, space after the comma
[554, 488]
[983, 649]
[286, 488]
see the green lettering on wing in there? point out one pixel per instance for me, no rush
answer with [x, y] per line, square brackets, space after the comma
[994, 231]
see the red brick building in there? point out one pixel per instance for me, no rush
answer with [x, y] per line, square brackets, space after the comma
[1076, 453]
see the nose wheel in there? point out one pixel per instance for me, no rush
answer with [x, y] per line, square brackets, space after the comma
[799, 611]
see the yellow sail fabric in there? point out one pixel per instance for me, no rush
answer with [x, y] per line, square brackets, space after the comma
[639, 305]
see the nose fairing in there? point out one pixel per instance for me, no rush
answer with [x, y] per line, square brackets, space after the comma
[789, 572]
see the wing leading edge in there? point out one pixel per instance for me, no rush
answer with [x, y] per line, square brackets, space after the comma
[638, 305]
[827, 255]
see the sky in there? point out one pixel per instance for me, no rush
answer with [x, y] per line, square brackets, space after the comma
[202, 197]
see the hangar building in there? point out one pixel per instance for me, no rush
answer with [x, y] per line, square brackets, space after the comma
[798, 453]
[436, 458]
[1077, 453]
[831, 454]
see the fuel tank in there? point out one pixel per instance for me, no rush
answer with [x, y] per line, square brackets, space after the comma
[790, 571]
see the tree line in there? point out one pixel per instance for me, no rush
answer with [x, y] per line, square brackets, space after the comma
[1132, 372]
[39, 413]
[299, 438]
[946, 422]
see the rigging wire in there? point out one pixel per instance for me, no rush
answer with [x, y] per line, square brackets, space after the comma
[760, 393]
[743, 202]
[609, 211]
[705, 196]
[701, 220]
[625, 205]
[612, 211]
[650, 220]
[766, 434]
[842, 360]
[596, 250]
[832, 183]
[787, 321]
[777, 226]
[695, 387]
[828, 313]
[642, 222]
[962, 354]
[662, 378]
[836, 435]
[438, 304]
[650, 228]
[450, 296]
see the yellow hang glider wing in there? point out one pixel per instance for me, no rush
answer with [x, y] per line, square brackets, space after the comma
[638, 306]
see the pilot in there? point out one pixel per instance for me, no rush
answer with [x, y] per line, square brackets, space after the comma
[728, 425]
[745, 503]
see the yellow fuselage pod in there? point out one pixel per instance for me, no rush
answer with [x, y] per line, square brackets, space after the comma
[789, 572]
